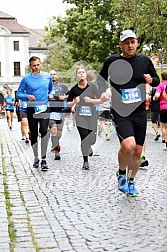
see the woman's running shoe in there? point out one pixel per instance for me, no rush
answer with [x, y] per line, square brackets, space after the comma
[85, 166]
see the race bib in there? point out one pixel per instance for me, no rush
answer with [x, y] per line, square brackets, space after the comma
[85, 111]
[55, 116]
[40, 109]
[8, 106]
[24, 104]
[131, 95]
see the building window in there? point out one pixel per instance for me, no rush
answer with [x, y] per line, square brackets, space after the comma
[0, 69]
[17, 69]
[16, 45]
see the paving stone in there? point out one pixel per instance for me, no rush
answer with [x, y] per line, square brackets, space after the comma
[24, 244]
[67, 209]
[24, 249]
[51, 250]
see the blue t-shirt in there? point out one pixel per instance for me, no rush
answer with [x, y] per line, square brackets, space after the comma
[40, 86]
[23, 106]
[9, 101]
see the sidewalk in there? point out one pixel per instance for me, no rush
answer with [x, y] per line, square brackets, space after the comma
[69, 210]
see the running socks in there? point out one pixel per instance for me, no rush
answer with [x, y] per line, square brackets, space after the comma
[122, 172]
[85, 158]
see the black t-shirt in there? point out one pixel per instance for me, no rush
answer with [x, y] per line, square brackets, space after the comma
[154, 105]
[90, 90]
[141, 65]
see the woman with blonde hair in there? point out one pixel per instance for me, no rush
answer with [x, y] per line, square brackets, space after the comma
[85, 96]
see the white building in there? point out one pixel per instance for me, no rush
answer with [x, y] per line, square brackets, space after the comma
[17, 45]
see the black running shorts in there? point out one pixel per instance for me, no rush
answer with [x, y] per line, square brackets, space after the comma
[11, 110]
[133, 125]
[163, 116]
[155, 117]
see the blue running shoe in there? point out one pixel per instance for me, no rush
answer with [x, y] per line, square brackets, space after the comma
[122, 183]
[132, 190]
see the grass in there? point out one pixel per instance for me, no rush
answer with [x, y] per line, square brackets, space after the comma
[11, 228]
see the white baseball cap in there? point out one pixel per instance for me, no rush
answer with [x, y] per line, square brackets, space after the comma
[127, 34]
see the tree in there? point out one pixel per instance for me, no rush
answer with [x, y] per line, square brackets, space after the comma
[91, 28]
[58, 56]
[87, 31]
[148, 18]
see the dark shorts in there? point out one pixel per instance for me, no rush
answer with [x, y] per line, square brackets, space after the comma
[104, 115]
[133, 125]
[67, 110]
[155, 117]
[23, 114]
[163, 116]
[11, 110]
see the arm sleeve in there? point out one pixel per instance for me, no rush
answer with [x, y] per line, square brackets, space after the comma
[51, 91]
[21, 91]
[102, 78]
[70, 96]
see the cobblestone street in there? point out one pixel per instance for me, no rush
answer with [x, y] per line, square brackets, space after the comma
[67, 209]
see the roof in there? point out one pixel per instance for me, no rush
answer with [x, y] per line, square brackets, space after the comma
[4, 15]
[35, 35]
[11, 23]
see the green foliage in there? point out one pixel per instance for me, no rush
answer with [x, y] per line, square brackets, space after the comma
[58, 56]
[91, 29]
[27, 69]
[148, 18]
